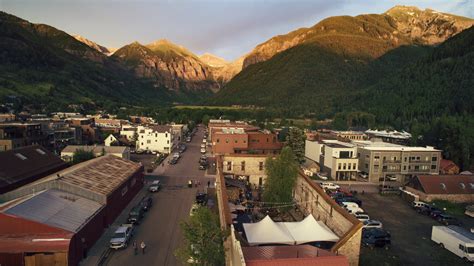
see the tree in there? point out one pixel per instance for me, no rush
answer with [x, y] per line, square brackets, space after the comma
[203, 239]
[296, 141]
[281, 177]
[80, 156]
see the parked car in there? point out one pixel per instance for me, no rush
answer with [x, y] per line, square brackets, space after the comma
[469, 211]
[203, 150]
[362, 217]
[354, 210]
[201, 198]
[135, 215]
[154, 186]
[436, 213]
[173, 161]
[426, 210]
[348, 204]
[329, 185]
[121, 237]
[455, 239]
[349, 199]
[447, 219]
[364, 175]
[322, 176]
[202, 166]
[372, 224]
[418, 204]
[146, 203]
[188, 139]
[194, 207]
[376, 237]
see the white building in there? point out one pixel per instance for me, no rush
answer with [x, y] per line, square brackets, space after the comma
[335, 158]
[128, 131]
[155, 138]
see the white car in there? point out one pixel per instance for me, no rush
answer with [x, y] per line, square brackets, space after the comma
[203, 145]
[321, 176]
[329, 185]
[203, 150]
[350, 205]
[204, 140]
[121, 236]
[154, 186]
[362, 217]
[372, 224]
[364, 175]
[354, 210]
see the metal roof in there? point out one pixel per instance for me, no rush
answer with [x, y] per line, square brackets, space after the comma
[58, 209]
[96, 149]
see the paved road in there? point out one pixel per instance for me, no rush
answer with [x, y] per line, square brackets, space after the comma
[160, 228]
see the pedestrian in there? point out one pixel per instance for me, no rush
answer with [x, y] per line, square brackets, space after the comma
[162, 164]
[143, 246]
[195, 183]
[209, 183]
[135, 247]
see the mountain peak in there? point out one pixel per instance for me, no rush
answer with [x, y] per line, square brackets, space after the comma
[92, 44]
[213, 60]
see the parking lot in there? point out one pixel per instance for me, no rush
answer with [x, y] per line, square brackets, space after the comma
[410, 231]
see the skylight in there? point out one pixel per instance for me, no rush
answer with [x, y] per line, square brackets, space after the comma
[443, 186]
[40, 151]
[462, 185]
[21, 156]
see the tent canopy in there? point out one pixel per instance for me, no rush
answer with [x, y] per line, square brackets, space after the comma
[268, 232]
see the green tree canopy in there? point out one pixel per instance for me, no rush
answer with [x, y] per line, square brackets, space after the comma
[281, 177]
[203, 239]
[80, 156]
[295, 140]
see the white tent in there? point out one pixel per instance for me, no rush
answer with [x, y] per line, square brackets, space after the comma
[310, 230]
[268, 232]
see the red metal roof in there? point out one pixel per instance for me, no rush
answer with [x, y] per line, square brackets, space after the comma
[446, 165]
[447, 184]
[21, 235]
[291, 255]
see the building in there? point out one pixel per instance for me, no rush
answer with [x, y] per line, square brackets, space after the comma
[178, 131]
[384, 161]
[7, 117]
[25, 165]
[249, 167]
[67, 153]
[155, 138]
[129, 132]
[90, 134]
[448, 167]
[454, 188]
[237, 140]
[83, 199]
[350, 135]
[15, 135]
[397, 137]
[336, 159]
[217, 125]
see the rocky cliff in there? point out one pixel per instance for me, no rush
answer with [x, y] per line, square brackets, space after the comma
[168, 65]
[222, 70]
[93, 45]
[399, 25]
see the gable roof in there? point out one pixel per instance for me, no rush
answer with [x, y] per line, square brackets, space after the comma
[25, 165]
[447, 184]
[58, 209]
[446, 165]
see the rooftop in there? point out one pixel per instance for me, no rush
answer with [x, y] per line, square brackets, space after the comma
[56, 208]
[25, 164]
[101, 175]
[447, 184]
[385, 146]
[96, 149]
[389, 134]
[161, 128]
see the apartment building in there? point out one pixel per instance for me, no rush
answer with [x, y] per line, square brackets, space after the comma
[129, 132]
[15, 135]
[336, 159]
[384, 161]
[158, 138]
[250, 167]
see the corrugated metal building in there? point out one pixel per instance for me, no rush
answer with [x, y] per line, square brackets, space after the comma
[83, 200]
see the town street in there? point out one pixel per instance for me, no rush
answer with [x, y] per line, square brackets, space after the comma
[160, 228]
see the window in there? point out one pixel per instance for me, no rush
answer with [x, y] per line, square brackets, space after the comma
[142, 143]
[226, 140]
[354, 167]
[235, 141]
[166, 135]
[366, 165]
[229, 166]
[148, 141]
[461, 247]
[348, 166]
[167, 142]
[434, 159]
[339, 166]
[242, 166]
[405, 167]
[268, 140]
[417, 167]
[406, 159]
[260, 166]
[344, 166]
[124, 190]
[433, 167]
[384, 167]
[217, 140]
[376, 157]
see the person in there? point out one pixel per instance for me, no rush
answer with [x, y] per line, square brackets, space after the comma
[209, 183]
[190, 183]
[135, 248]
[143, 246]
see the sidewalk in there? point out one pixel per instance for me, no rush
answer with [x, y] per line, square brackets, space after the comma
[99, 252]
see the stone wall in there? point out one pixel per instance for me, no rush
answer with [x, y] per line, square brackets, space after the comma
[314, 200]
[458, 198]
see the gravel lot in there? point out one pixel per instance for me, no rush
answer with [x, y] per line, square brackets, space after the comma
[411, 234]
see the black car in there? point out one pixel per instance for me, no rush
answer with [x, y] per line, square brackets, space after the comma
[447, 219]
[146, 203]
[349, 199]
[135, 215]
[174, 161]
[202, 166]
[427, 210]
[376, 237]
[201, 198]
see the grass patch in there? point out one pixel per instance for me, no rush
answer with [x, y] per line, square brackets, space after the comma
[451, 207]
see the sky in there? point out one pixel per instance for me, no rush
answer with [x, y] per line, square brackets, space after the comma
[226, 28]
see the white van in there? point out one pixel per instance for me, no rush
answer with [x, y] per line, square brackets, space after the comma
[455, 239]
[351, 204]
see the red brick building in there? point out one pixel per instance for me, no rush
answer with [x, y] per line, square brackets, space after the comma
[257, 142]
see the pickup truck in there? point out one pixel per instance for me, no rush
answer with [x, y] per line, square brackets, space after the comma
[122, 236]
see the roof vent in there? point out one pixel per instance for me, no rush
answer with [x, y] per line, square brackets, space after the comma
[462, 185]
[21, 156]
[471, 185]
[443, 186]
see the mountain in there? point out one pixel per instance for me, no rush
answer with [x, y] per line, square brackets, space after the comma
[46, 67]
[399, 25]
[93, 45]
[222, 70]
[169, 65]
[316, 71]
